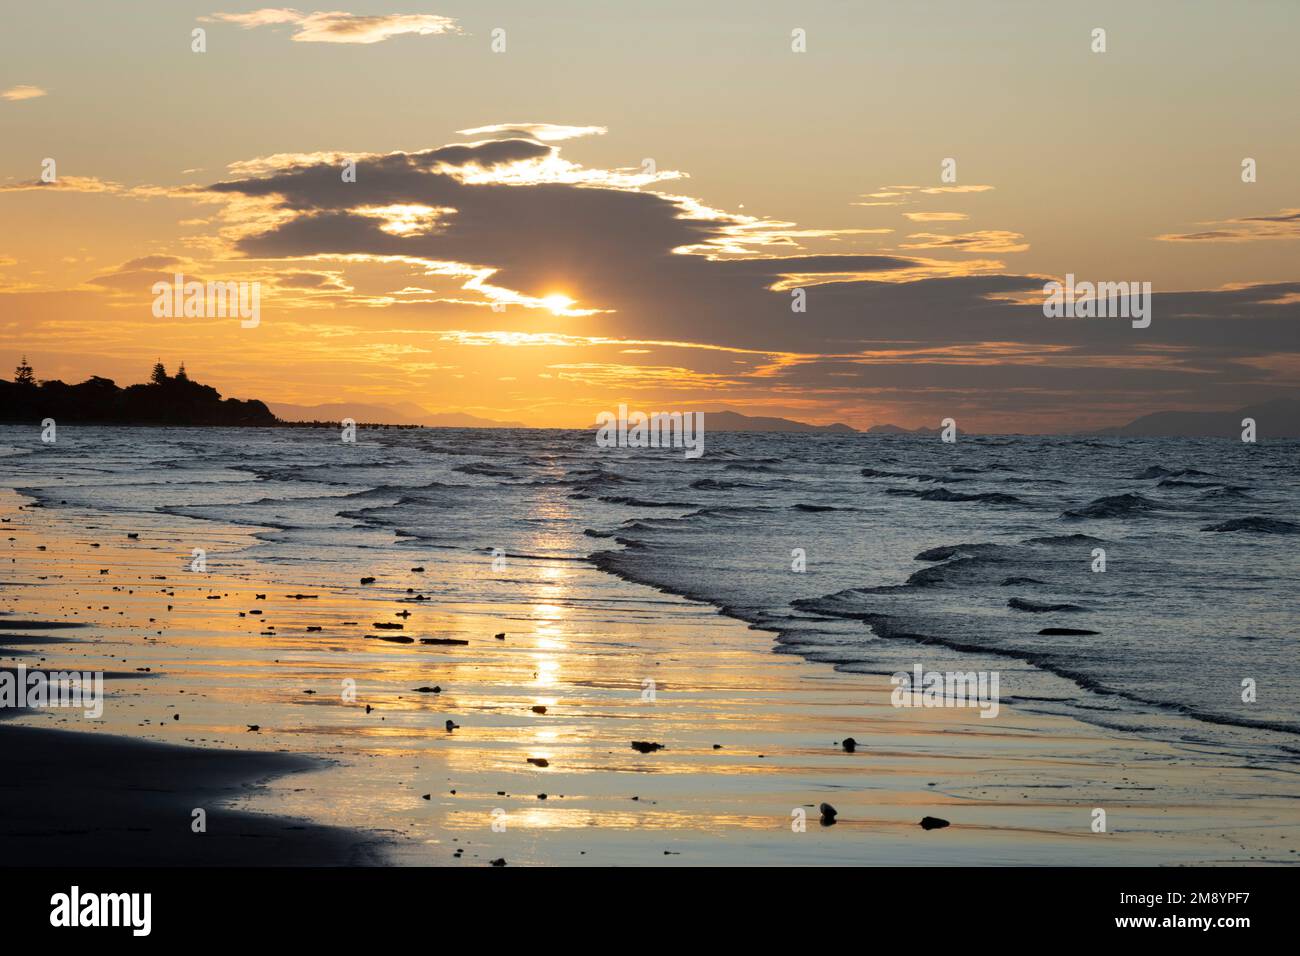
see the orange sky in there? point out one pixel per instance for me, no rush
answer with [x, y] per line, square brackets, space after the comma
[638, 239]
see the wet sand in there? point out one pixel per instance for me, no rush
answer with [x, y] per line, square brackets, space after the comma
[539, 768]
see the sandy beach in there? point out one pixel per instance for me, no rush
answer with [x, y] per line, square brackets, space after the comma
[352, 738]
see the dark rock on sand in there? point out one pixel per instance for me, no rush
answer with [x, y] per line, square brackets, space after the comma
[828, 813]
[441, 640]
[1066, 632]
[850, 745]
[646, 747]
[933, 823]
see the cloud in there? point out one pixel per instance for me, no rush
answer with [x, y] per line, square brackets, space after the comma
[1282, 225]
[340, 27]
[984, 240]
[546, 132]
[22, 92]
[511, 223]
[936, 216]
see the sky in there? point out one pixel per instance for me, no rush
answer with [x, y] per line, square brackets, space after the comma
[830, 211]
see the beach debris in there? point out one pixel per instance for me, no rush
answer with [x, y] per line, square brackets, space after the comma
[369, 708]
[259, 597]
[426, 796]
[428, 690]
[301, 597]
[541, 796]
[253, 728]
[133, 534]
[417, 570]
[539, 761]
[313, 627]
[388, 626]
[717, 746]
[539, 709]
[441, 640]
[499, 862]
[391, 638]
[646, 747]
[933, 823]
[828, 813]
[501, 636]
[367, 580]
[451, 725]
[402, 614]
[850, 745]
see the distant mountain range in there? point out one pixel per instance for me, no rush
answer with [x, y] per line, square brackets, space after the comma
[728, 421]
[1279, 418]
[399, 413]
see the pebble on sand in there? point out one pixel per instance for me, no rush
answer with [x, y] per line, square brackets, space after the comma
[933, 823]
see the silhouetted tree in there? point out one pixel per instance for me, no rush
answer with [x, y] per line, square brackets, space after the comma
[159, 375]
[180, 374]
[23, 373]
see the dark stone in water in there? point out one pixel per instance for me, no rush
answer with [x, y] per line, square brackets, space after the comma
[500, 862]
[391, 638]
[828, 813]
[428, 690]
[1034, 607]
[645, 746]
[1066, 632]
[386, 626]
[441, 640]
[849, 745]
[933, 823]
[367, 580]
[539, 761]
[451, 725]
[539, 709]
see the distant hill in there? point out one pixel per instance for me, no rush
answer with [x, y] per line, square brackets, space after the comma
[1279, 418]
[165, 401]
[401, 413]
[726, 421]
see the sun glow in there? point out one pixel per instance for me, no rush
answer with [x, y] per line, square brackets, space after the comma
[557, 303]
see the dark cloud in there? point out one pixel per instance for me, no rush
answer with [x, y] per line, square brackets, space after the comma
[613, 249]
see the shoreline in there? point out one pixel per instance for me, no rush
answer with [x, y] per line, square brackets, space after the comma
[751, 737]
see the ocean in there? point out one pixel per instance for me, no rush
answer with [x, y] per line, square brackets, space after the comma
[870, 553]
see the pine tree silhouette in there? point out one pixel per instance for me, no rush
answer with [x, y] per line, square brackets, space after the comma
[23, 373]
[159, 375]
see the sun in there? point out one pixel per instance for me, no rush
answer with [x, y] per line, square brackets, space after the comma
[557, 303]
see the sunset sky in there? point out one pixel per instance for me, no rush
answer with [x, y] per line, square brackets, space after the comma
[520, 178]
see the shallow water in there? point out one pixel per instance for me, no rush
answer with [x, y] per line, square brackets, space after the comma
[1182, 614]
